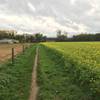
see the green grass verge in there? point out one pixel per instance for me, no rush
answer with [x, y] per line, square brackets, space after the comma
[15, 79]
[54, 80]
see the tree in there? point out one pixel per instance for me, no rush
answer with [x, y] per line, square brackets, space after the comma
[60, 36]
[40, 38]
[59, 33]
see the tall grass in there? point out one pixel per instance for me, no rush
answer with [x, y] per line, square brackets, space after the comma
[53, 78]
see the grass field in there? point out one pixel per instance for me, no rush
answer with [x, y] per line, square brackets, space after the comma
[69, 71]
[15, 79]
[66, 71]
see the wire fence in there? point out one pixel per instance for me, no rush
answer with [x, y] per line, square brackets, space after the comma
[13, 52]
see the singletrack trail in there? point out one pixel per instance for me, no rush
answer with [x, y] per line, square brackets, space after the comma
[34, 87]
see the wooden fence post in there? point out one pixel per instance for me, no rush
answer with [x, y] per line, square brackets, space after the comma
[23, 48]
[12, 55]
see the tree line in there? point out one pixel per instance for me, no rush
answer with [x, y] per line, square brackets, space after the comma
[86, 37]
[81, 37]
[39, 37]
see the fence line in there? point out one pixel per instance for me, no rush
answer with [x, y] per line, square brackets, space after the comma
[14, 52]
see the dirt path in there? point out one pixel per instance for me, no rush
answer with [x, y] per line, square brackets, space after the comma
[34, 87]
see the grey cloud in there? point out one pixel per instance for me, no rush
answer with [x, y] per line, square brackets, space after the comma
[78, 15]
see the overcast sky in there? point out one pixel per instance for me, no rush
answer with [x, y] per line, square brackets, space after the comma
[49, 15]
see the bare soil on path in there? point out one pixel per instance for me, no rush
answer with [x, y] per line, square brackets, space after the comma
[34, 87]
